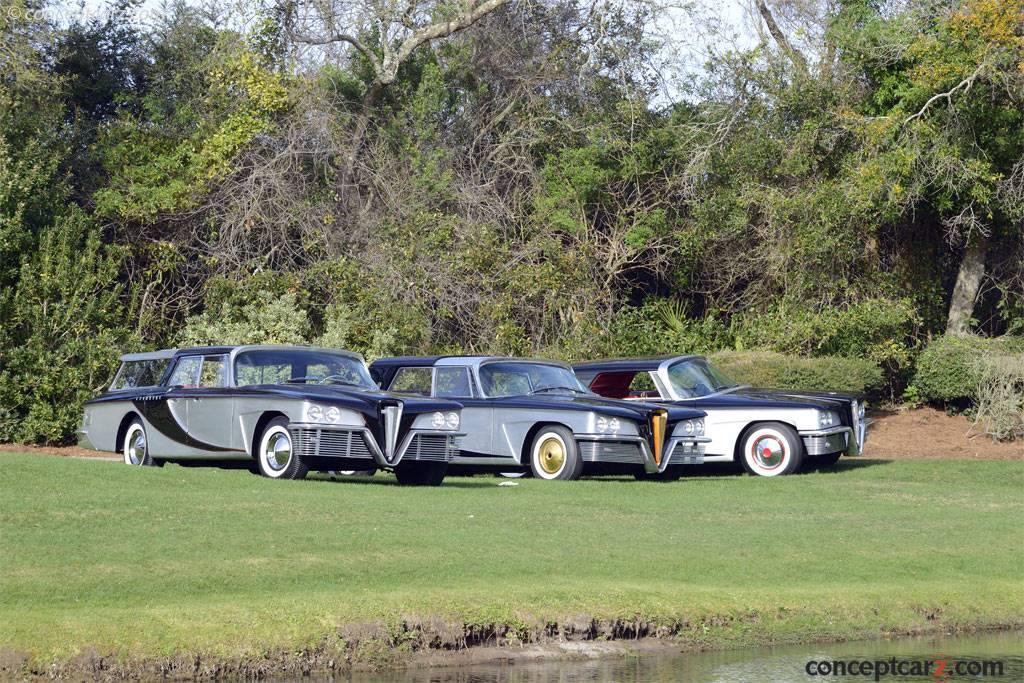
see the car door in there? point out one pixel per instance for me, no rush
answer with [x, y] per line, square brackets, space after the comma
[210, 410]
[167, 414]
[456, 382]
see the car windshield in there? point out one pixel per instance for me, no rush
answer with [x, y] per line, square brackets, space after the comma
[289, 366]
[695, 377]
[521, 379]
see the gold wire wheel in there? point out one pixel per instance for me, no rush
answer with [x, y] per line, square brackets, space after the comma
[551, 455]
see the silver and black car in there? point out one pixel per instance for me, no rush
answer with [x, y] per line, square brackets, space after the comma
[525, 415]
[286, 409]
[770, 431]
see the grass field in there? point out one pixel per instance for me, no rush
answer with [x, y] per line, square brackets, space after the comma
[149, 562]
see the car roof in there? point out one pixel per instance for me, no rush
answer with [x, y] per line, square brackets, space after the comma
[222, 349]
[647, 364]
[430, 361]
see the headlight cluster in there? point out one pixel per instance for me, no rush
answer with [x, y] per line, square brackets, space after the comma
[607, 425]
[316, 413]
[827, 419]
[445, 420]
[694, 427]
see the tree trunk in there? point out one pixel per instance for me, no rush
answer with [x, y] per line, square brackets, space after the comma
[968, 282]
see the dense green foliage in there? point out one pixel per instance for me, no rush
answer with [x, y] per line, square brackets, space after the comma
[986, 376]
[945, 555]
[204, 177]
[826, 373]
[950, 368]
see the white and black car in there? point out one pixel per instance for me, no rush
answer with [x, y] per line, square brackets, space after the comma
[770, 431]
[285, 409]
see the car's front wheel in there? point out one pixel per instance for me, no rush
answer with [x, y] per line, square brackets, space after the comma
[277, 459]
[135, 448]
[771, 449]
[554, 455]
[420, 473]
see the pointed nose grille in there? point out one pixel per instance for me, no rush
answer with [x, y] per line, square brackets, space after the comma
[658, 421]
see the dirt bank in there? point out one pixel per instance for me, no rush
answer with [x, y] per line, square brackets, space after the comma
[930, 433]
[434, 643]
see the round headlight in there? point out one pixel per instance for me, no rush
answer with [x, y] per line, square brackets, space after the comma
[437, 421]
[825, 419]
[700, 426]
[333, 414]
[452, 420]
[688, 427]
[602, 424]
[614, 425]
[315, 413]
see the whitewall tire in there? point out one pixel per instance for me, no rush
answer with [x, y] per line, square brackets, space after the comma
[554, 455]
[277, 459]
[135, 447]
[771, 449]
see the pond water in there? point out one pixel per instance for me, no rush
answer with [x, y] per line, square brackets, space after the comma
[773, 664]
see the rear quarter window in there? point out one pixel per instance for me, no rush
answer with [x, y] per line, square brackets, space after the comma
[139, 373]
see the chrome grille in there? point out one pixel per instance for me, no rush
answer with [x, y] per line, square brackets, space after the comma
[432, 447]
[310, 442]
[822, 445]
[686, 453]
[611, 451]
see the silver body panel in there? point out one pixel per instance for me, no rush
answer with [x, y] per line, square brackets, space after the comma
[220, 423]
[498, 432]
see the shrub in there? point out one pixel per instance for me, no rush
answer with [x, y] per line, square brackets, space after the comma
[881, 330]
[999, 398]
[265, 319]
[775, 370]
[950, 369]
[660, 327]
[63, 324]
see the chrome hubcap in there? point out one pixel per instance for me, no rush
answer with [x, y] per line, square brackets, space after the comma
[278, 451]
[551, 456]
[137, 448]
[768, 452]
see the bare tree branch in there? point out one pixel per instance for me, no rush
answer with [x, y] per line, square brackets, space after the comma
[964, 85]
[780, 37]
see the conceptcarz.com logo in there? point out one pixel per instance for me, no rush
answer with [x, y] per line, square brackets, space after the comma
[939, 669]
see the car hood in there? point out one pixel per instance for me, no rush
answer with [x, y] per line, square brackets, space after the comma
[632, 410]
[749, 397]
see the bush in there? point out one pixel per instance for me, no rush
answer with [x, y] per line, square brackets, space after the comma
[950, 369]
[999, 398]
[265, 319]
[775, 370]
[63, 324]
[884, 331]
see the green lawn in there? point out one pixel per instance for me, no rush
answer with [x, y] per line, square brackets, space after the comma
[147, 562]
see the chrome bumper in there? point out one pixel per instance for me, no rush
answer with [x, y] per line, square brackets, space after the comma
[684, 450]
[834, 440]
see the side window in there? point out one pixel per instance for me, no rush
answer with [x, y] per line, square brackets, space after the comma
[186, 372]
[643, 387]
[452, 382]
[412, 381]
[213, 373]
[139, 373]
